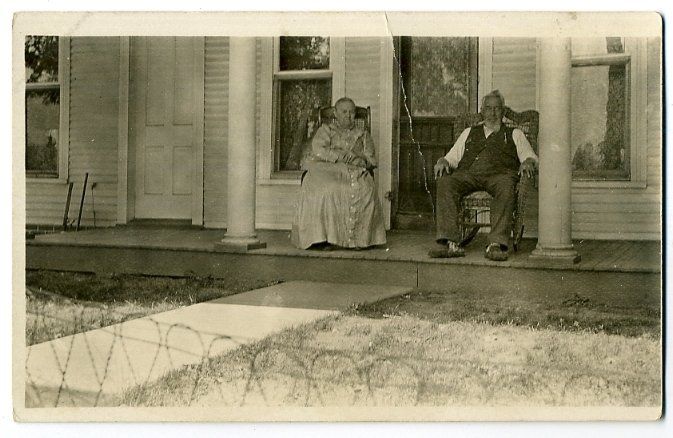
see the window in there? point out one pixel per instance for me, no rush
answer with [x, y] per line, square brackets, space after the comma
[45, 155]
[603, 87]
[302, 83]
[440, 75]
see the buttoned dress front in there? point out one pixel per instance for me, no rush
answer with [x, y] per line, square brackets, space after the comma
[337, 202]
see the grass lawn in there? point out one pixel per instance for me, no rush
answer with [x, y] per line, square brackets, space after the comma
[352, 360]
[64, 303]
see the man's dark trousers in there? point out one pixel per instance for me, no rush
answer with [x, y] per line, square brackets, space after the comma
[450, 190]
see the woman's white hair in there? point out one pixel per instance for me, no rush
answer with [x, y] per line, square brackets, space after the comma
[344, 99]
[496, 94]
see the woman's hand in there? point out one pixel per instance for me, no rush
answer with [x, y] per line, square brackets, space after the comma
[348, 157]
[354, 159]
[359, 162]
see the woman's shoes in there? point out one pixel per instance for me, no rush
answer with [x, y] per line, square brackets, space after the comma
[323, 246]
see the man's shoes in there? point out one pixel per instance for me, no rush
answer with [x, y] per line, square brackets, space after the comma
[496, 252]
[451, 249]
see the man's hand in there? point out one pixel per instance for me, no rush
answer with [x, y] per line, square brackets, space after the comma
[527, 168]
[442, 167]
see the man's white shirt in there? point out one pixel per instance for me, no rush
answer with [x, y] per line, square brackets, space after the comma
[523, 147]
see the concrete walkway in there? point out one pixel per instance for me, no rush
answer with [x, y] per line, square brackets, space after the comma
[89, 369]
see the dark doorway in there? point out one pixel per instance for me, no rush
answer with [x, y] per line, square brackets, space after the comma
[437, 84]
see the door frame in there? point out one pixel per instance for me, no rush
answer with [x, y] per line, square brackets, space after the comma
[126, 153]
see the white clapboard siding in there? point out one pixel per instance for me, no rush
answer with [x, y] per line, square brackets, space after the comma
[276, 206]
[514, 71]
[274, 203]
[216, 107]
[45, 203]
[94, 85]
[363, 58]
[94, 112]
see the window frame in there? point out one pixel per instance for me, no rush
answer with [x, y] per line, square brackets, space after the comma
[64, 115]
[635, 60]
[269, 100]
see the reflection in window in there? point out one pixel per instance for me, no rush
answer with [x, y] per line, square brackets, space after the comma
[42, 105]
[302, 84]
[42, 122]
[440, 79]
[304, 53]
[600, 117]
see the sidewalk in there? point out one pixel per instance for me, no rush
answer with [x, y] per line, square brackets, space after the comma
[90, 368]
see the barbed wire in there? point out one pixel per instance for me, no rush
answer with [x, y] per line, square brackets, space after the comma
[270, 372]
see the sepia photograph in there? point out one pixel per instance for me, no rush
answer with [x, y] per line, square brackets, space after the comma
[337, 216]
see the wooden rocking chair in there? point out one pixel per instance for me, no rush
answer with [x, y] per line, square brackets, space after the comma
[363, 119]
[476, 205]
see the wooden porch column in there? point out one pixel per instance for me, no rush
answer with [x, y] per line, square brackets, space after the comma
[554, 221]
[241, 183]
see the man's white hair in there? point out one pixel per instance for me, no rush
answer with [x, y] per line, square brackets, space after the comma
[496, 94]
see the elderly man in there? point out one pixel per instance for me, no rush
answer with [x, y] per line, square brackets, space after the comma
[489, 157]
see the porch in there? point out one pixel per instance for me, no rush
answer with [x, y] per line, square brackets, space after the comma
[629, 271]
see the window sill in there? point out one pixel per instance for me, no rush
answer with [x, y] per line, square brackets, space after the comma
[278, 181]
[45, 180]
[609, 185]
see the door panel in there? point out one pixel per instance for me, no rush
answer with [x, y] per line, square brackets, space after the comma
[163, 125]
[182, 175]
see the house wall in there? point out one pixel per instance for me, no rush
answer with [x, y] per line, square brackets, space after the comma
[215, 131]
[597, 212]
[94, 100]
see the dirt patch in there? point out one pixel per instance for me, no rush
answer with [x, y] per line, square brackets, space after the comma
[569, 313]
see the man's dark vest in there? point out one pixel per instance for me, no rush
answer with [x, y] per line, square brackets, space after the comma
[495, 154]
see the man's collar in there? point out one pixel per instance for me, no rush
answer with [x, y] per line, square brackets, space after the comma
[488, 131]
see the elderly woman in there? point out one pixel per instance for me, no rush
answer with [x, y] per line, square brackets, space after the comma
[337, 203]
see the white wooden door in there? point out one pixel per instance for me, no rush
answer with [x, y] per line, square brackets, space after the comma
[163, 125]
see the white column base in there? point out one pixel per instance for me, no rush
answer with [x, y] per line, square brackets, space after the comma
[239, 244]
[556, 255]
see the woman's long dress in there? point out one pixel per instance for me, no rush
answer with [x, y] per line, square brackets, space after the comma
[337, 202]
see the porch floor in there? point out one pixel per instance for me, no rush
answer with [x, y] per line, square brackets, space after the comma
[403, 246]
[627, 272]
